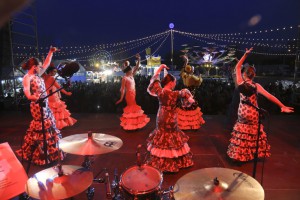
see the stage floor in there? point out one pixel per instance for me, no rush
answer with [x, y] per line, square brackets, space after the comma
[281, 173]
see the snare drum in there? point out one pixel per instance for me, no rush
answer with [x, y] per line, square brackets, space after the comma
[141, 183]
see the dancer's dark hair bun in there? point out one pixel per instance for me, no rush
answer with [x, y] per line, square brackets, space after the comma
[30, 62]
[168, 78]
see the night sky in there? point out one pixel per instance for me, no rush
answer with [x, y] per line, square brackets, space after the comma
[92, 22]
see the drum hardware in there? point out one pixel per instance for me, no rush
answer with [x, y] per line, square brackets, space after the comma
[91, 144]
[91, 191]
[138, 155]
[168, 194]
[141, 183]
[107, 186]
[119, 193]
[116, 187]
[217, 183]
[59, 182]
[88, 162]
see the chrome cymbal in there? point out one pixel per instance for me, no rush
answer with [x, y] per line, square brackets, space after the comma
[217, 183]
[90, 144]
[47, 185]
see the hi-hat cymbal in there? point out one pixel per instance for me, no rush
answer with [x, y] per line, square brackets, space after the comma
[216, 184]
[90, 144]
[47, 185]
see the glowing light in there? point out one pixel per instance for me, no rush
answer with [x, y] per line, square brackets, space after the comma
[254, 20]
[107, 72]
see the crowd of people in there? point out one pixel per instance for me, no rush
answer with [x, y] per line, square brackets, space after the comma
[214, 96]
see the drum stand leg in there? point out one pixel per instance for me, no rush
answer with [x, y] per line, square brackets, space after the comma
[169, 192]
[90, 193]
[87, 163]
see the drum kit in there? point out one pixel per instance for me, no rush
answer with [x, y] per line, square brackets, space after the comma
[141, 182]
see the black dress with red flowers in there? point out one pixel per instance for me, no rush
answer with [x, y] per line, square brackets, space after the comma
[33, 143]
[167, 144]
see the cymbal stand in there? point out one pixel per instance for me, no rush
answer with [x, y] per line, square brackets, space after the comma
[87, 163]
[42, 104]
[59, 165]
[106, 181]
[261, 115]
[91, 191]
[116, 187]
[169, 192]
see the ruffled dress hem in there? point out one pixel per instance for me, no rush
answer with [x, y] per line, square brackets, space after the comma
[61, 114]
[190, 119]
[243, 143]
[133, 118]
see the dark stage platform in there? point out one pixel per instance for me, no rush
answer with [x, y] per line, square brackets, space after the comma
[281, 175]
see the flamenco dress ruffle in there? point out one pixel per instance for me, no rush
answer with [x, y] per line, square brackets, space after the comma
[61, 114]
[169, 150]
[243, 143]
[190, 118]
[133, 118]
[33, 143]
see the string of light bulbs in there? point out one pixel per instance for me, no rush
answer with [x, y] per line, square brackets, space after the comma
[144, 50]
[240, 50]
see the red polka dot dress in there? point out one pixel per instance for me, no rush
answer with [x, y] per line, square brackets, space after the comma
[32, 147]
[244, 135]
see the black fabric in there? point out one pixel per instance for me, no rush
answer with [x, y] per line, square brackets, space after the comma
[247, 89]
[128, 68]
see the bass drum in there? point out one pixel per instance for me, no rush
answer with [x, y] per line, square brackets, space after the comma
[141, 183]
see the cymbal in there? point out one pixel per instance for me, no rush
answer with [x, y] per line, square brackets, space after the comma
[90, 143]
[47, 185]
[217, 183]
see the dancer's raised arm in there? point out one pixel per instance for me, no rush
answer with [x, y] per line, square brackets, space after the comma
[137, 65]
[238, 68]
[48, 60]
[272, 98]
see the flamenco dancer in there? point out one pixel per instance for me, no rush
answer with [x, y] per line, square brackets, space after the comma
[167, 144]
[34, 89]
[242, 145]
[190, 118]
[58, 107]
[133, 117]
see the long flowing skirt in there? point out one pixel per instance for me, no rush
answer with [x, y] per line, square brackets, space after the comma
[243, 142]
[133, 118]
[33, 143]
[169, 151]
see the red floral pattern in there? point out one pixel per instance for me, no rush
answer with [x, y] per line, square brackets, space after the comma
[167, 144]
[33, 144]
